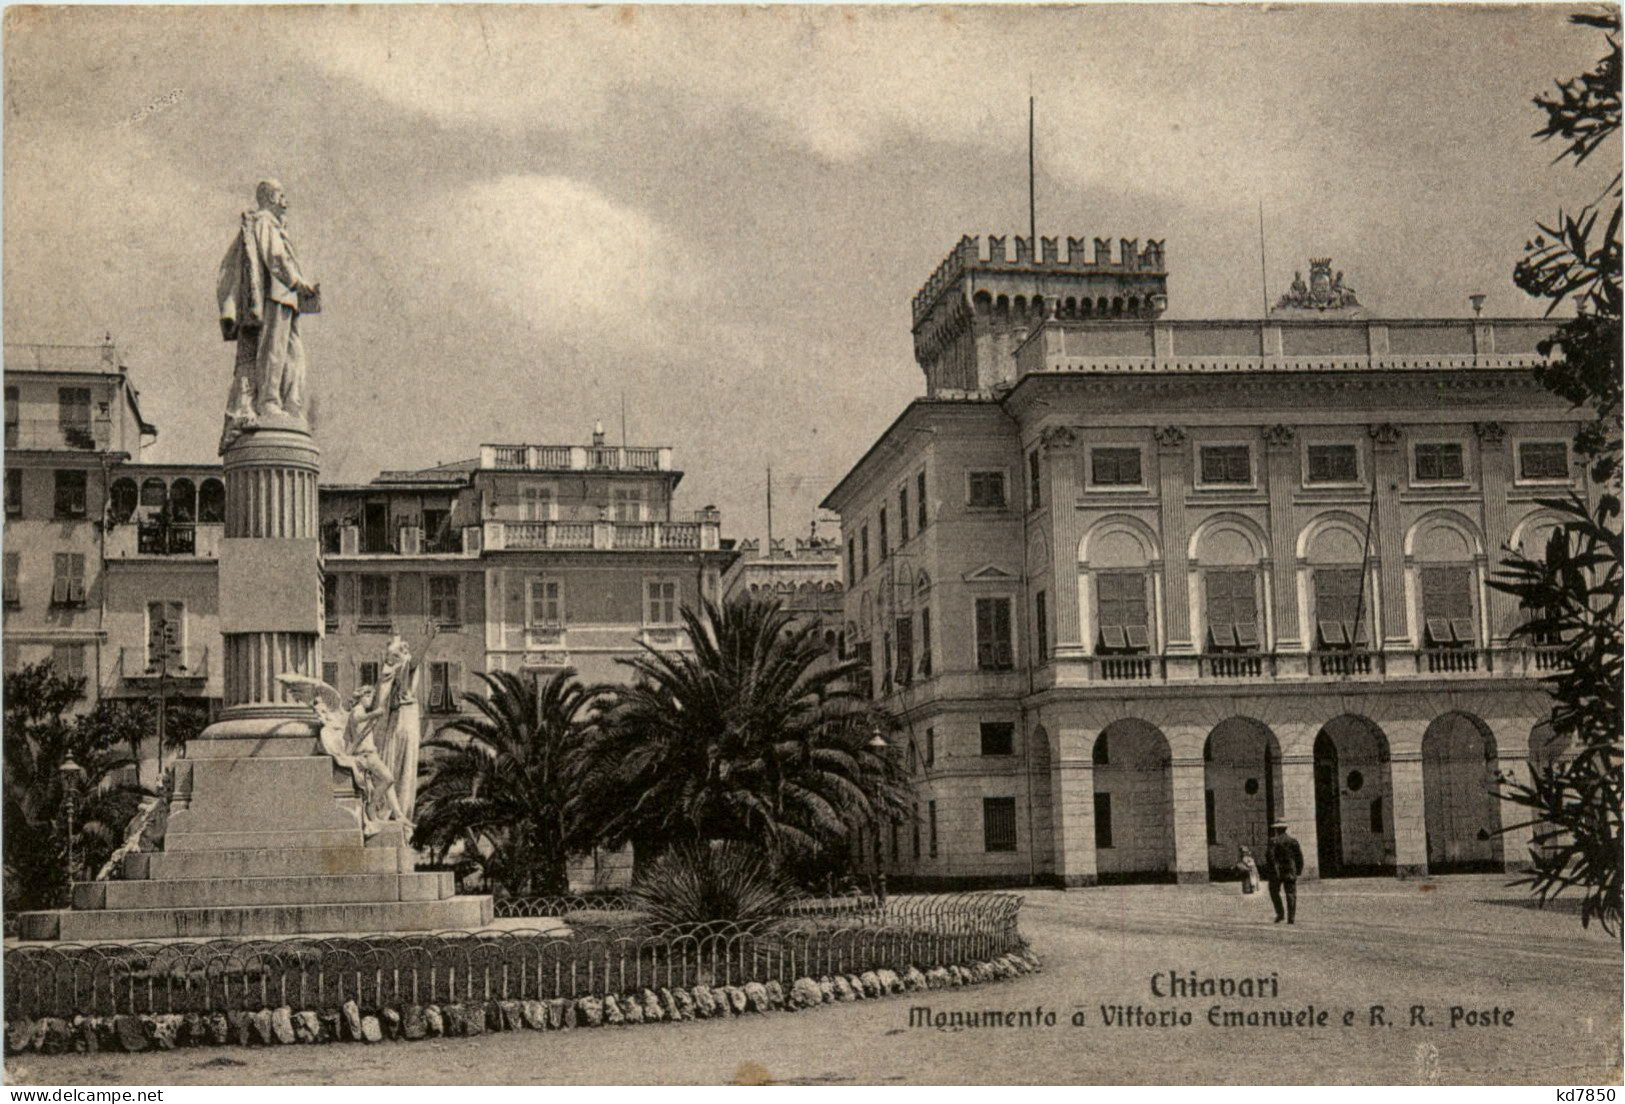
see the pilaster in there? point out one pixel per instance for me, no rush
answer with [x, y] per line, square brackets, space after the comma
[1190, 820]
[1072, 811]
[1297, 808]
[1388, 469]
[1495, 479]
[1060, 448]
[1171, 484]
[1281, 466]
[1409, 813]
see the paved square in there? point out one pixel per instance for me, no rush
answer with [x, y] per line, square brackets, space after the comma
[1467, 942]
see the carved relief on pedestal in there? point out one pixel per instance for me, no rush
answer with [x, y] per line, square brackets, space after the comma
[1058, 438]
[1491, 433]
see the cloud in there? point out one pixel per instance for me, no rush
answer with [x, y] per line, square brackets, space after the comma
[551, 252]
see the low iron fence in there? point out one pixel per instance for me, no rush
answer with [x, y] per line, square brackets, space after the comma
[394, 971]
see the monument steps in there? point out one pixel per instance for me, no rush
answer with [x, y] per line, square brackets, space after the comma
[267, 862]
[257, 921]
[325, 889]
[299, 840]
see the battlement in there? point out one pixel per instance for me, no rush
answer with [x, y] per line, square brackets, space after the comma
[1002, 253]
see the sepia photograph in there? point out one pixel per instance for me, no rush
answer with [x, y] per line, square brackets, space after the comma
[829, 545]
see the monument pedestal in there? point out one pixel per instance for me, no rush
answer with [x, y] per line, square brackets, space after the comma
[264, 833]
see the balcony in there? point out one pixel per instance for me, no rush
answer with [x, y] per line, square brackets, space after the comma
[143, 540]
[138, 668]
[408, 540]
[703, 534]
[574, 458]
[1395, 664]
[1236, 665]
[50, 434]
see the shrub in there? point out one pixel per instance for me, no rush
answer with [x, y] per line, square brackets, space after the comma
[724, 881]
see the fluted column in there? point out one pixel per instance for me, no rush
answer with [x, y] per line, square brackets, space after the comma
[270, 572]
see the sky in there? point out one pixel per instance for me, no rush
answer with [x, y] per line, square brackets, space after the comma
[519, 215]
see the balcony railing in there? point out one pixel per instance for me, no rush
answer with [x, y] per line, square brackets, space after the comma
[1237, 665]
[1129, 668]
[1547, 657]
[1345, 664]
[574, 458]
[1452, 661]
[48, 433]
[137, 539]
[681, 535]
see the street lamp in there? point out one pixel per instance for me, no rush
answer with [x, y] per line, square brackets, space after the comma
[71, 772]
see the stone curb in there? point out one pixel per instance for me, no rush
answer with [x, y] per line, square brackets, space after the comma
[349, 1023]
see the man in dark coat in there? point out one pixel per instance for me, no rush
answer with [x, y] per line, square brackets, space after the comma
[1285, 862]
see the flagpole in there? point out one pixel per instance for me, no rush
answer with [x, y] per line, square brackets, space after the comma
[1263, 264]
[1032, 178]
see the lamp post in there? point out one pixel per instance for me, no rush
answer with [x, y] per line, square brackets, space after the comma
[70, 772]
[878, 744]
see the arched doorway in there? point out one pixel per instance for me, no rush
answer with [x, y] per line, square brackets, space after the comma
[1134, 804]
[1242, 771]
[1462, 813]
[1354, 823]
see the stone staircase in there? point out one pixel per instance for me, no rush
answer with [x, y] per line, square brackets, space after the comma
[307, 870]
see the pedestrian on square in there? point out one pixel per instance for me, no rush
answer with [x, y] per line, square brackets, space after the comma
[1249, 871]
[1284, 858]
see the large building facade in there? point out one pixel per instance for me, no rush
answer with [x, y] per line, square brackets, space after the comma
[1137, 587]
[73, 422]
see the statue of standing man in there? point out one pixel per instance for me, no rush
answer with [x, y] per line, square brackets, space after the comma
[262, 293]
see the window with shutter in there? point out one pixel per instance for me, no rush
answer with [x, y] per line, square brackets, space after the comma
[1332, 464]
[1439, 462]
[545, 604]
[1232, 612]
[919, 502]
[445, 599]
[73, 416]
[863, 542]
[1226, 464]
[1338, 606]
[902, 517]
[931, 820]
[1543, 460]
[1447, 606]
[1114, 467]
[69, 660]
[925, 641]
[13, 596]
[374, 603]
[999, 823]
[445, 686]
[1122, 613]
[905, 650]
[628, 504]
[368, 674]
[70, 494]
[14, 492]
[330, 603]
[1041, 628]
[68, 579]
[914, 823]
[993, 645]
[987, 489]
[660, 602]
[884, 540]
[998, 738]
[1035, 491]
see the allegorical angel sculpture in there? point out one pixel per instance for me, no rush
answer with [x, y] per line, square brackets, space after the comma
[376, 738]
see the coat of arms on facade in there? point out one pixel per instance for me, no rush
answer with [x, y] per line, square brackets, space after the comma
[1323, 293]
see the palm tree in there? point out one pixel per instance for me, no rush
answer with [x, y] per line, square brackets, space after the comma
[500, 782]
[755, 735]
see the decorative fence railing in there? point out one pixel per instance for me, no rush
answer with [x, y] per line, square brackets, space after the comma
[397, 971]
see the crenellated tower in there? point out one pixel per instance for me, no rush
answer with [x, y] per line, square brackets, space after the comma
[984, 299]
